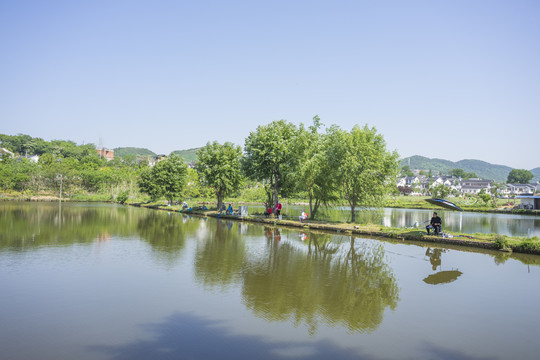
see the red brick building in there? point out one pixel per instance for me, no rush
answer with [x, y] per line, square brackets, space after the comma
[106, 153]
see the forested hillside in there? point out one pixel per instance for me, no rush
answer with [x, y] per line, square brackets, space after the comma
[188, 155]
[483, 169]
[126, 151]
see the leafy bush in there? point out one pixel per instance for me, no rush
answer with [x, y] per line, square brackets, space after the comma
[529, 245]
[501, 242]
[122, 197]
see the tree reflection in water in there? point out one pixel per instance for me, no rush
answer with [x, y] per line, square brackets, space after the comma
[166, 233]
[347, 285]
[220, 256]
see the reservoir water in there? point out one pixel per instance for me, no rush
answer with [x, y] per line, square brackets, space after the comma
[100, 281]
[453, 221]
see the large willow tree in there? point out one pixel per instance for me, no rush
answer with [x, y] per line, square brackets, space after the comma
[219, 167]
[315, 174]
[270, 155]
[365, 168]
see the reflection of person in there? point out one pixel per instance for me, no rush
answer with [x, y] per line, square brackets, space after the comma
[303, 216]
[434, 257]
[434, 224]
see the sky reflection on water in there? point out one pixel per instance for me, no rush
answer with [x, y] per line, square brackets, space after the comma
[116, 283]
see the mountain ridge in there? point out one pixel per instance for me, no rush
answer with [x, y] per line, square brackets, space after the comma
[481, 168]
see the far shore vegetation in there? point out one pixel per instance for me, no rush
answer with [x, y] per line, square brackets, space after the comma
[280, 162]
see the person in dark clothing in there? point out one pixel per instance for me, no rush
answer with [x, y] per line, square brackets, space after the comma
[434, 224]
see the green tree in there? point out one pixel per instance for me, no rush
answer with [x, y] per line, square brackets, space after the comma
[462, 174]
[166, 178]
[315, 173]
[484, 196]
[439, 191]
[219, 167]
[519, 176]
[148, 185]
[366, 169]
[270, 156]
[406, 171]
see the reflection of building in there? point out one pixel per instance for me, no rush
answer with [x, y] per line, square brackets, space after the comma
[103, 237]
[106, 153]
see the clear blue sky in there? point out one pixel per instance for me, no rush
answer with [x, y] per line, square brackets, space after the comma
[448, 79]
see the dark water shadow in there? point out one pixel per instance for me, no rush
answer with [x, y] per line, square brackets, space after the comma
[185, 336]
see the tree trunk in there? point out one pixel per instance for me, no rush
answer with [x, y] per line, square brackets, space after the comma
[315, 208]
[276, 191]
[219, 200]
[310, 206]
[353, 207]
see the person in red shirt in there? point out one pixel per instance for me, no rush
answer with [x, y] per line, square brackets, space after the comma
[268, 210]
[278, 209]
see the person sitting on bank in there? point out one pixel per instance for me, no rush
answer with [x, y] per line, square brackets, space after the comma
[434, 224]
[268, 210]
[303, 216]
[229, 210]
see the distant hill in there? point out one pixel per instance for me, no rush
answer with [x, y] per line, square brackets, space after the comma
[536, 173]
[188, 155]
[124, 151]
[483, 169]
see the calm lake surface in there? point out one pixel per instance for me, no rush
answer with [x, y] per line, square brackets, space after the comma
[453, 221]
[97, 281]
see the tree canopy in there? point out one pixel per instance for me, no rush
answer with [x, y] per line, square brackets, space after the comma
[519, 176]
[219, 167]
[270, 156]
[365, 168]
[315, 174]
[166, 178]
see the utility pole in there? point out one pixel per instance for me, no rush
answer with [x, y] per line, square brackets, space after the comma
[61, 178]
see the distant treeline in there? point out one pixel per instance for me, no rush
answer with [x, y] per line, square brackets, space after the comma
[278, 159]
[78, 168]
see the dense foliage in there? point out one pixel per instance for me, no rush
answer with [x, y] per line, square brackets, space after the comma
[165, 179]
[219, 168]
[78, 167]
[279, 159]
[519, 176]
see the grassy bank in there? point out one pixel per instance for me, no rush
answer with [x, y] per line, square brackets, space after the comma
[478, 240]
[484, 241]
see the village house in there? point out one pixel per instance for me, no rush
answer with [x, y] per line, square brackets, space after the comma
[529, 202]
[106, 153]
[474, 186]
[412, 182]
[156, 159]
[32, 158]
[6, 152]
[512, 190]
